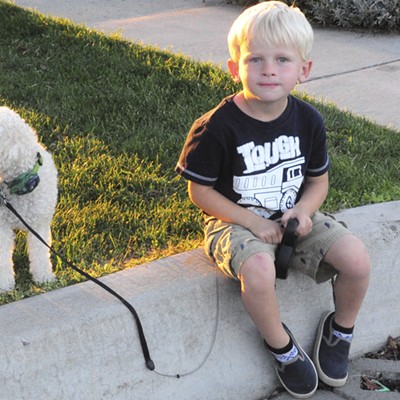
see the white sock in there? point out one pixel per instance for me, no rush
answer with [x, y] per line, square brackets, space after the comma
[286, 357]
[341, 335]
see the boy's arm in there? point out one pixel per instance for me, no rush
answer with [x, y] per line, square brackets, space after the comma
[217, 205]
[314, 194]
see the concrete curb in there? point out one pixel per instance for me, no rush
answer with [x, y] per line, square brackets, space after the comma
[378, 226]
[79, 342]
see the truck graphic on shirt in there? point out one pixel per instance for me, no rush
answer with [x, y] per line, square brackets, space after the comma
[275, 189]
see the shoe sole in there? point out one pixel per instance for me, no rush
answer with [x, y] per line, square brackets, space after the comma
[325, 378]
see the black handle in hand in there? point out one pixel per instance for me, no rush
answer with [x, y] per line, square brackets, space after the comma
[285, 250]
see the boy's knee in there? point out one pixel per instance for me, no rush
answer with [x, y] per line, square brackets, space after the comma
[350, 257]
[258, 271]
[359, 259]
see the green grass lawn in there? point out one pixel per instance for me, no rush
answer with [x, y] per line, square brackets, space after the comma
[115, 116]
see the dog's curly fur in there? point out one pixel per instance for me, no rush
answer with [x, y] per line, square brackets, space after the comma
[18, 154]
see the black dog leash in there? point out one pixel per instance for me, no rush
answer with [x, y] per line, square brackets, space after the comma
[149, 362]
[285, 250]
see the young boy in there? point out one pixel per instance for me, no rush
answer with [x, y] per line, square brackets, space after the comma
[255, 161]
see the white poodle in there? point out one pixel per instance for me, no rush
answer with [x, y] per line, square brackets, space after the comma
[28, 181]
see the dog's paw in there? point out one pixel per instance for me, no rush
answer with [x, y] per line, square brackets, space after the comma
[44, 276]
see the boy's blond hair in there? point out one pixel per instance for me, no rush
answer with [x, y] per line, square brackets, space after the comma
[273, 23]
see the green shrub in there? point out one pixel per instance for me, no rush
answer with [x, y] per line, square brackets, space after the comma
[373, 15]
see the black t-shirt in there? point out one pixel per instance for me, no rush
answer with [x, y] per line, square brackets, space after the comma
[256, 164]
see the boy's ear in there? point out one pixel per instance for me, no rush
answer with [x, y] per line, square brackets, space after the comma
[233, 70]
[305, 71]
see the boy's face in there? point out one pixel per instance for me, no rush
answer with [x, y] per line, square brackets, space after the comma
[268, 74]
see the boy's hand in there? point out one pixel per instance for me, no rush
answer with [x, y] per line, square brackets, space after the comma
[305, 222]
[266, 230]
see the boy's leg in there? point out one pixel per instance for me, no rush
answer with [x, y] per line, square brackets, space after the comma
[331, 250]
[350, 258]
[257, 277]
[294, 368]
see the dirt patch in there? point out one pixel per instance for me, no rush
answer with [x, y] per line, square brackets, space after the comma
[391, 350]
[377, 381]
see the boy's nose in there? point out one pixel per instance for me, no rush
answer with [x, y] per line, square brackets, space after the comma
[268, 69]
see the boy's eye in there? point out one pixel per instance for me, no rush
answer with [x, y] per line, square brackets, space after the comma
[255, 59]
[282, 59]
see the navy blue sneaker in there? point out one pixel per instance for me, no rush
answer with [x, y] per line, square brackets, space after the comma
[331, 354]
[297, 376]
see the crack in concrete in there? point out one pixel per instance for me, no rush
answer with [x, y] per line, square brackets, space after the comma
[352, 70]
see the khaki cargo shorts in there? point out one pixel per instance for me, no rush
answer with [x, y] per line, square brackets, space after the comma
[229, 245]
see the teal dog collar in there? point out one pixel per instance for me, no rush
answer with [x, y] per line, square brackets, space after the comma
[28, 181]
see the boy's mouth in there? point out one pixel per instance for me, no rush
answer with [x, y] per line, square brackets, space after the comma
[269, 85]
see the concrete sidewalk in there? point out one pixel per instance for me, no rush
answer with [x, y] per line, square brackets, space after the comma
[358, 72]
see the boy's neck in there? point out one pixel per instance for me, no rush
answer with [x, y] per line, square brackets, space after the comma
[262, 111]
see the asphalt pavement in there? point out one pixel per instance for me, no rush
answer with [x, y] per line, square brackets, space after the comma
[358, 72]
